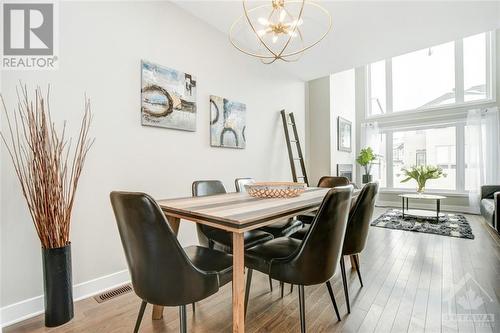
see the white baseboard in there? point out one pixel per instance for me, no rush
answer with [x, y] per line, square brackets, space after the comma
[13, 313]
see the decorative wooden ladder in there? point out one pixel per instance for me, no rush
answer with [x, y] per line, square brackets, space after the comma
[289, 121]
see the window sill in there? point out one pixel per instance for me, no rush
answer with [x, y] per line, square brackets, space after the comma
[446, 193]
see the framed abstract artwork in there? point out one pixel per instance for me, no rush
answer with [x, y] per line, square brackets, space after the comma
[168, 98]
[344, 135]
[227, 123]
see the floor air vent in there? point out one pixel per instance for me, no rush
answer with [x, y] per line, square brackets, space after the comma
[110, 294]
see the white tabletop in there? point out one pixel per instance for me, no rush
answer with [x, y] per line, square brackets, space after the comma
[422, 196]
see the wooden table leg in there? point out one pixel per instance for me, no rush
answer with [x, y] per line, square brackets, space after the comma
[238, 283]
[157, 312]
[174, 223]
[353, 265]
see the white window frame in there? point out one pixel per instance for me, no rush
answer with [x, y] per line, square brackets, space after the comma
[459, 83]
[459, 154]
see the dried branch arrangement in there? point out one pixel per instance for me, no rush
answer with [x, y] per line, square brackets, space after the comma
[45, 163]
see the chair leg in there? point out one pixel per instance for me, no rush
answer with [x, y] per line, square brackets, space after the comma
[247, 289]
[282, 287]
[344, 282]
[211, 244]
[332, 296]
[291, 288]
[182, 317]
[302, 308]
[194, 306]
[356, 263]
[139, 316]
[270, 283]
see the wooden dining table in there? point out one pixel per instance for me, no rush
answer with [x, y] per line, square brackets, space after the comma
[237, 213]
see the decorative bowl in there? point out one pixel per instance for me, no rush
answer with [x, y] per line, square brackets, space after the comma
[267, 190]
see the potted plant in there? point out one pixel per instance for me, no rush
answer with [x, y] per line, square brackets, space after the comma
[365, 159]
[48, 167]
[421, 174]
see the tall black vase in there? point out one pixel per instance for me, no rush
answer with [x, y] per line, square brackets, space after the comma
[57, 285]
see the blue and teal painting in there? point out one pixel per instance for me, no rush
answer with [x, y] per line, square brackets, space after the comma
[168, 98]
[228, 123]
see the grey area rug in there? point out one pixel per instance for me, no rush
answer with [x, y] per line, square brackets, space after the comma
[453, 225]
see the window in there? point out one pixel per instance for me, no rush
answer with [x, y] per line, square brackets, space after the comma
[475, 64]
[379, 168]
[446, 80]
[378, 102]
[424, 78]
[421, 157]
[432, 77]
[433, 146]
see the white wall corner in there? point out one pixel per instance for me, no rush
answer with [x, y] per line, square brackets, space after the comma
[360, 113]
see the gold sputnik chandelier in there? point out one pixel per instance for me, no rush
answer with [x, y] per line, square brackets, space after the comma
[281, 29]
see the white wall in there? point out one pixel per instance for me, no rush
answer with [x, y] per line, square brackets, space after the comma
[328, 98]
[101, 46]
[318, 129]
[343, 105]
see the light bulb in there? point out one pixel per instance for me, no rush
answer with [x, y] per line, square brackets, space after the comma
[275, 39]
[282, 15]
[296, 23]
[263, 21]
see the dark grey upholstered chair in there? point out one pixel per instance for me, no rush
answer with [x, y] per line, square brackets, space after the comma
[332, 181]
[163, 273]
[217, 238]
[308, 262]
[282, 228]
[239, 183]
[490, 204]
[325, 182]
[356, 235]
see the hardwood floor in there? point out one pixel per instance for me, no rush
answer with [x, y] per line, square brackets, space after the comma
[414, 282]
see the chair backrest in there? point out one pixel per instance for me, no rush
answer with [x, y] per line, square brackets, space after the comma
[201, 188]
[161, 272]
[330, 181]
[240, 183]
[359, 220]
[320, 251]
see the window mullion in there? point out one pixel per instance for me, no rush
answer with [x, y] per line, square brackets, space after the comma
[368, 91]
[460, 157]
[388, 86]
[488, 65]
[459, 71]
[389, 160]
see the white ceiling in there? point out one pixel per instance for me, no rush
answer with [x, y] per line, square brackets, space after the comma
[364, 32]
